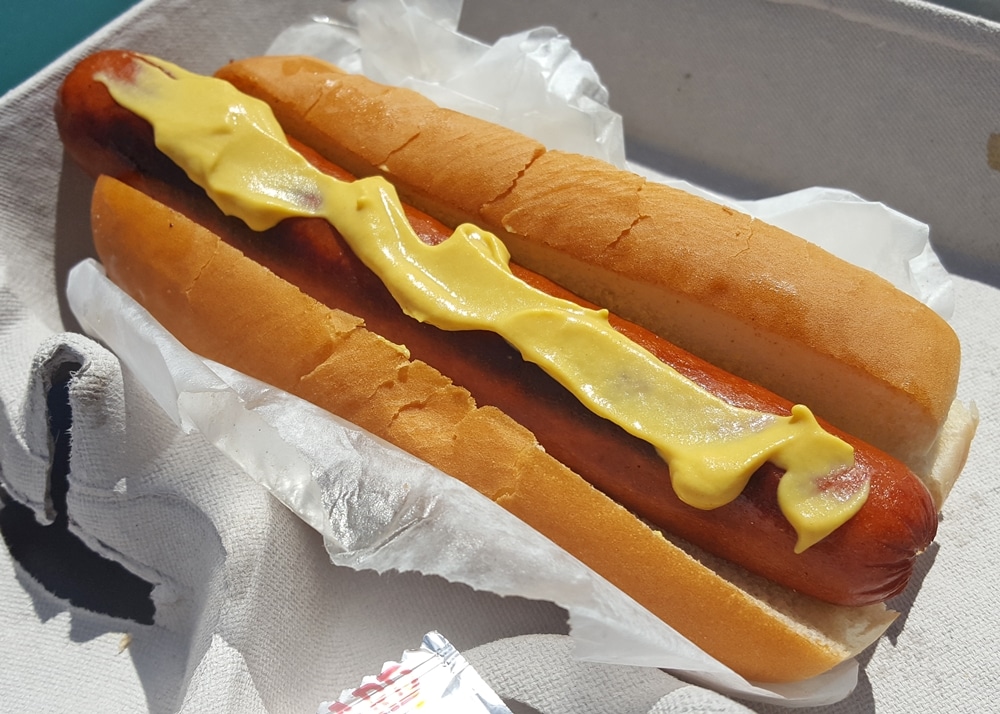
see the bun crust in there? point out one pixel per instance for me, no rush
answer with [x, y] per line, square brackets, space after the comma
[742, 294]
[226, 307]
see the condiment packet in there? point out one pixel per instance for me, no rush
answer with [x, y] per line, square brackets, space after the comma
[435, 678]
[536, 83]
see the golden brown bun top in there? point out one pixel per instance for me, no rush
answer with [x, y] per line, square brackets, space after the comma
[740, 293]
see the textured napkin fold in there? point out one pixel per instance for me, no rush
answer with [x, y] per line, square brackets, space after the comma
[249, 611]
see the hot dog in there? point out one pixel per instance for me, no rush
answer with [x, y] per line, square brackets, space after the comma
[89, 119]
[849, 567]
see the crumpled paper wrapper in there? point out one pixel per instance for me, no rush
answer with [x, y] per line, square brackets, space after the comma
[379, 508]
[534, 82]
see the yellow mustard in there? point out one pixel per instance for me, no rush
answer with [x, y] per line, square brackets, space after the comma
[232, 146]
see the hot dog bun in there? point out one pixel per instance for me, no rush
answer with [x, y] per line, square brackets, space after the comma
[866, 560]
[742, 294]
[229, 308]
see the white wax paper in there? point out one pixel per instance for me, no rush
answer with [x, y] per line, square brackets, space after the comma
[534, 82]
